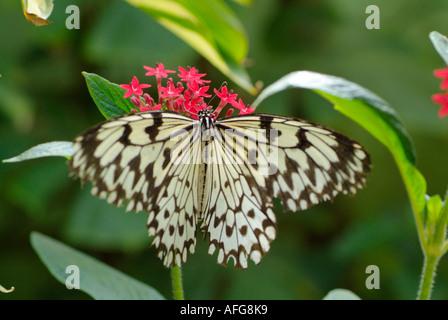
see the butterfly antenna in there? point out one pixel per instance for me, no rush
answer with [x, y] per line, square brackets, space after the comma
[188, 111]
[222, 85]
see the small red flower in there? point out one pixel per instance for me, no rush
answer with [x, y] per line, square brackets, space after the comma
[238, 105]
[193, 108]
[198, 91]
[247, 110]
[443, 74]
[134, 88]
[441, 99]
[158, 71]
[170, 91]
[142, 109]
[243, 109]
[191, 75]
[225, 96]
[188, 100]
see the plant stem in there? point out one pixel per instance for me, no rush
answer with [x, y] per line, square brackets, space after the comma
[428, 275]
[428, 240]
[176, 278]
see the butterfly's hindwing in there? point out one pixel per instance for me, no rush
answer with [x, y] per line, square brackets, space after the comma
[237, 220]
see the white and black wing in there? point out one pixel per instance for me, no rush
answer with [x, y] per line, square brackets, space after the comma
[266, 157]
[238, 221]
[151, 162]
[167, 165]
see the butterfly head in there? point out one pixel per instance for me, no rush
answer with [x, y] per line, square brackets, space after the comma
[206, 118]
[205, 113]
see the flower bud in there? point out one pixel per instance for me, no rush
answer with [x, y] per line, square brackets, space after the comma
[136, 101]
[148, 100]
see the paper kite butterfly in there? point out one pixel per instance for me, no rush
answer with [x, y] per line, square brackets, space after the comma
[217, 175]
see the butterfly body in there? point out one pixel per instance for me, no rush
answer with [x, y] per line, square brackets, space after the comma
[221, 174]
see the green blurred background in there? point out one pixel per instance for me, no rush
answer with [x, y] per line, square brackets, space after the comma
[43, 97]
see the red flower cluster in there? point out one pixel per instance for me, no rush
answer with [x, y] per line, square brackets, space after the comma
[442, 98]
[186, 96]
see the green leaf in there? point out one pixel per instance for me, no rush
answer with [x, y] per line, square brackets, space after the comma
[433, 206]
[49, 149]
[244, 2]
[435, 224]
[442, 224]
[95, 224]
[96, 278]
[352, 100]
[369, 111]
[341, 294]
[440, 43]
[208, 26]
[108, 97]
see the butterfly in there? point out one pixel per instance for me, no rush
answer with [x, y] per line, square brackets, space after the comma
[219, 176]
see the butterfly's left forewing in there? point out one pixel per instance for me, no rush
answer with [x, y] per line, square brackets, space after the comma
[151, 162]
